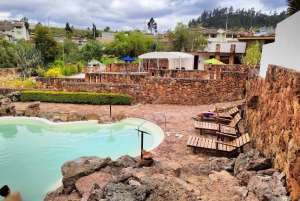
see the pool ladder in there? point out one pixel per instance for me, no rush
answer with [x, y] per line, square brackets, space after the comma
[153, 116]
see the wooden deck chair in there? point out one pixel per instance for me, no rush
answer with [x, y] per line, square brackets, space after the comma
[204, 143]
[230, 111]
[230, 128]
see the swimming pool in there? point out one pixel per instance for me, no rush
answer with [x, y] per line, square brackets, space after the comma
[32, 150]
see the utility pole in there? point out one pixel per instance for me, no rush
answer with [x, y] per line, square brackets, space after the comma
[226, 29]
[48, 22]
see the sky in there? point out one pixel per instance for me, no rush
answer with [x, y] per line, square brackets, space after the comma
[123, 14]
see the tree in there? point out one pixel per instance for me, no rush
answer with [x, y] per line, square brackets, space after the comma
[179, 37]
[46, 43]
[28, 57]
[107, 29]
[195, 40]
[95, 32]
[253, 54]
[8, 57]
[152, 26]
[293, 6]
[132, 45]
[25, 21]
[68, 29]
[70, 51]
[91, 50]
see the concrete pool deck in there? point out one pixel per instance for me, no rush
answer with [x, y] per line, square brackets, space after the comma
[179, 120]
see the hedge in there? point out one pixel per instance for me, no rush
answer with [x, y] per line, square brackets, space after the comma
[76, 97]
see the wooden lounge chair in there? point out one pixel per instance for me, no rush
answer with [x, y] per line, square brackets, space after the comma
[204, 143]
[230, 111]
[230, 128]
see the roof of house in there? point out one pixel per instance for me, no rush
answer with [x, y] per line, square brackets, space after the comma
[9, 25]
[165, 55]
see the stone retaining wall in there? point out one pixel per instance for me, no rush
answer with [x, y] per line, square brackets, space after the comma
[9, 71]
[55, 83]
[155, 90]
[273, 119]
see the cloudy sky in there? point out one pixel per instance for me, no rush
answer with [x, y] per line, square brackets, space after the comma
[122, 14]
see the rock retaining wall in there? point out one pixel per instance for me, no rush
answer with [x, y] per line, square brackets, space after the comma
[158, 90]
[9, 71]
[273, 118]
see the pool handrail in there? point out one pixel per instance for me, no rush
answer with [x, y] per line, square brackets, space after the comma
[153, 116]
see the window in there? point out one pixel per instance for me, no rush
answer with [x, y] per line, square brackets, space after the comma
[213, 35]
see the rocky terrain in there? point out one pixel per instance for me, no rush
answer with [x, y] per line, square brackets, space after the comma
[250, 176]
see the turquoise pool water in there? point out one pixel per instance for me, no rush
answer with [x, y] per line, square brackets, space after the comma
[32, 150]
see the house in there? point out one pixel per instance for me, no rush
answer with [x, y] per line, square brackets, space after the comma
[107, 37]
[221, 35]
[13, 30]
[265, 36]
[284, 51]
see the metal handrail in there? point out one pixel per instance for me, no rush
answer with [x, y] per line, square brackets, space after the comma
[153, 116]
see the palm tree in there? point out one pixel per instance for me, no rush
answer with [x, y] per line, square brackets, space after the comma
[293, 6]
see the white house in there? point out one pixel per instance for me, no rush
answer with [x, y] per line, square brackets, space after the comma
[285, 50]
[13, 30]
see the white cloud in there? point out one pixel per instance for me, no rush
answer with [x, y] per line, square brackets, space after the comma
[122, 14]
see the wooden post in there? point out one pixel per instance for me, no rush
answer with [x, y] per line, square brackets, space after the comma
[110, 98]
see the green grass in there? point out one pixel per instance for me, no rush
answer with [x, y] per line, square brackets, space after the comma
[106, 60]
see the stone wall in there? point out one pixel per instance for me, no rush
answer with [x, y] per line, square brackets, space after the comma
[9, 71]
[158, 90]
[55, 83]
[273, 119]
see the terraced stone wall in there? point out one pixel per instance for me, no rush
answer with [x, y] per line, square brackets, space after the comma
[4, 72]
[55, 83]
[273, 119]
[158, 90]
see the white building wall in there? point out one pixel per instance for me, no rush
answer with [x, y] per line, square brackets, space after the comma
[240, 47]
[202, 58]
[187, 63]
[285, 50]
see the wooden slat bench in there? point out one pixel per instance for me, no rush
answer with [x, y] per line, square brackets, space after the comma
[204, 143]
[229, 128]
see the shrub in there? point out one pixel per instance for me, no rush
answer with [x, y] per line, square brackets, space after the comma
[29, 83]
[53, 73]
[40, 71]
[80, 67]
[73, 69]
[17, 83]
[66, 71]
[59, 63]
[76, 97]
[7, 83]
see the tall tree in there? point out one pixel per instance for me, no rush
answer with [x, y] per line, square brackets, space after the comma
[46, 43]
[179, 37]
[68, 29]
[91, 50]
[8, 57]
[293, 6]
[107, 29]
[152, 26]
[253, 54]
[95, 32]
[25, 21]
[70, 51]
